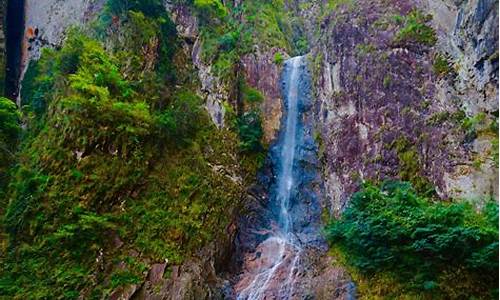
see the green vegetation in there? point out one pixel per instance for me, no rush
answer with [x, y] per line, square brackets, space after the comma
[250, 131]
[9, 137]
[116, 148]
[415, 30]
[410, 246]
[387, 81]
[225, 39]
[252, 96]
[441, 66]
[409, 166]
[278, 58]
[209, 10]
[363, 50]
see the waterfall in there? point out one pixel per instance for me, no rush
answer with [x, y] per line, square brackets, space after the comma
[280, 253]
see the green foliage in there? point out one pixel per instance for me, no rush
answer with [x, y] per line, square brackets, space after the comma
[301, 45]
[409, 166]
[387, 81]
[252, 96]
[153, 32]
[363, 50]
[10, 131]
[150, 8]
[278, 58]
[333, 4]
[249, 127]
[181, 120]
[441, 66]
[494, 152]
[210, 9]
[415, 30]
[267, 24]
[470, 124]
[108, 155]
[424, 245]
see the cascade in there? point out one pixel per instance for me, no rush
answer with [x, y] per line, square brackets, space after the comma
[274, 270]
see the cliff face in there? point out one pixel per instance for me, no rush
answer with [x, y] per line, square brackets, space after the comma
[387, 103]
[385, 111]
[3, 15]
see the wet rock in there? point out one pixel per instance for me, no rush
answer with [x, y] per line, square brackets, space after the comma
[263, 73]
[124, 293]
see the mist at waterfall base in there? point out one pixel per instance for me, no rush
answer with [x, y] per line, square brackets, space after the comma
[284, 225]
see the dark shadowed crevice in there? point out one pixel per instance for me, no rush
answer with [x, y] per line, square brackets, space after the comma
[14, 34]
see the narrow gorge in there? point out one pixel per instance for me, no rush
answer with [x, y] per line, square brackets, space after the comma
[249, 150]
[277, 246]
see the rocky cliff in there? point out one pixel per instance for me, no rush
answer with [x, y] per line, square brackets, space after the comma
[401, 89]
[385, 110]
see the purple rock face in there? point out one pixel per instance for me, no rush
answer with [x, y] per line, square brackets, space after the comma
[378, 102]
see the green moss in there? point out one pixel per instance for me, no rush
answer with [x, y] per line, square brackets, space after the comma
[387, 81]
[409, 166]
[363, 50]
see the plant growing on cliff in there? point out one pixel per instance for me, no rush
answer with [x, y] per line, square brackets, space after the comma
[102, 161]
[416, 30]
[249, 126]
[278, 58]
[10, 131]
[210, 9]
[441, 66]
[447, 249]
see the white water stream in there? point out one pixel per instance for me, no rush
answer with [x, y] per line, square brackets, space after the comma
[281, 251]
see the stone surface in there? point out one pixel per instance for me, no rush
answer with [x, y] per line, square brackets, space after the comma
[263, 73]
[370, 93]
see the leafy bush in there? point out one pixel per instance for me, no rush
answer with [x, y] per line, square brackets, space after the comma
[228, 41]
[415, 30]
[179, 122]
[210, 9]
[423, 244]
[150, 8]
[249, 127]
[10, 130]
[252, 96]
[111, 150]
[278, 58]
[441, 66]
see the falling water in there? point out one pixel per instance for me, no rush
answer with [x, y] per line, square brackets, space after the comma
[280, 252]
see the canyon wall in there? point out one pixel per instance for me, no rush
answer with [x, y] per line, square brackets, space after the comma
[384, 112]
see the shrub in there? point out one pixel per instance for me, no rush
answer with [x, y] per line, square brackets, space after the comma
[278, 58]
[441, 66]
[249, 127]
[9, 136]
[252, 96]
[228, 41]
[150, 8]
[179, 122]
[392, 229]
[209, 9]
[415, 30]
